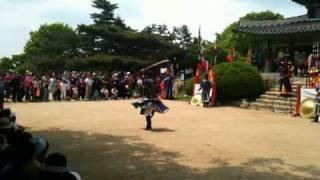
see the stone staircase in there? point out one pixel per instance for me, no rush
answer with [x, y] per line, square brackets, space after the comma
[272, 101]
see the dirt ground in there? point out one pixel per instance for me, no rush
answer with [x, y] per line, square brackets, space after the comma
[106, 140]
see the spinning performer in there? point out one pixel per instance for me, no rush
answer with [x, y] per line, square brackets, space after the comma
[150, 103]
[285, 70]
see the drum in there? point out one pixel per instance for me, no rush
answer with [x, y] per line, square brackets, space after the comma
[308, 108]
[196, 100]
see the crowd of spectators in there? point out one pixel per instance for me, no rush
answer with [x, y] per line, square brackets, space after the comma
[79, 86]
[24, 156]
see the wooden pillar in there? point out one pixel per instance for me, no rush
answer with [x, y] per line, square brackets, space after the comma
[268, 58]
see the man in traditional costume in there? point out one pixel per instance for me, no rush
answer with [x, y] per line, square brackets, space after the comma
[151, 102]
[205, 86]
[285, 70]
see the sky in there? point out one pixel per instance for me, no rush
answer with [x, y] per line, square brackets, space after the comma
[20, 17]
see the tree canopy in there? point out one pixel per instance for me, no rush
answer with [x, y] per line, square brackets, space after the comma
[52, 40]
[230, 38]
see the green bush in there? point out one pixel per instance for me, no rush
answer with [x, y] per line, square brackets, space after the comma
[188, 87]
[237, 80]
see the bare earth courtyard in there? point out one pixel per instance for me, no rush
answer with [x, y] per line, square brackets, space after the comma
[106, 140]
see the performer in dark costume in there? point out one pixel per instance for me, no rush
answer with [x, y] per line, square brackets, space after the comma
[151, 102]
[205, 86]
[285, 70]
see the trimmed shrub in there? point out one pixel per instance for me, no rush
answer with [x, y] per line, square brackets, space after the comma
[236, 81]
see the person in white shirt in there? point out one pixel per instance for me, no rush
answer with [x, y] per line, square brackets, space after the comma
[63, 86]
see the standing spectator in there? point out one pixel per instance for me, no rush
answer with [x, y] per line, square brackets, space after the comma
[57, 94]
[63, 87]
[7, 85]
[89, 83]
[15, 87]
[168, 82]
[45, 89]
[82, 86]
[28, 86]
[52, 85]
[36, 89]
[21, 93]
[95, 87]
[139, 87]
[74, 86]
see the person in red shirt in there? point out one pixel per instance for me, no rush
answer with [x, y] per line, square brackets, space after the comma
[7, 85]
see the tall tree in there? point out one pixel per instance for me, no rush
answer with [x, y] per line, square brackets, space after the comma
[110, 35]
[106, 16]
[182, 36]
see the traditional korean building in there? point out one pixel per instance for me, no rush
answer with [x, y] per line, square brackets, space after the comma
[300, 35]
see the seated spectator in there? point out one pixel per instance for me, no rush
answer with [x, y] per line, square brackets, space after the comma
[75, 93]
[42, 146]
[25, 165]
[55, 166]
[104, 93]
[70, 176]
[6, 128]
[4, 159]
[114, 93]
[7, 113]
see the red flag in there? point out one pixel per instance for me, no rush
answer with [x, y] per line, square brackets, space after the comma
[162, 95]
[211, 76]
[197, 79]
[231, 56]
[204, 65]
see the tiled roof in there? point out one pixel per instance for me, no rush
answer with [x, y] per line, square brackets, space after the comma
[300, 24]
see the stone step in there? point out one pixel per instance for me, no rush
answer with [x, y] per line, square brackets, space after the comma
[284, 111]
[273, 108]
[261, 105]
[277, 88]
[278, 94]
[283, 108]
[276, 102]
[271, 97]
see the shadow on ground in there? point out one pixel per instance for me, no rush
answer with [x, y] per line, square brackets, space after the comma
[104, 157]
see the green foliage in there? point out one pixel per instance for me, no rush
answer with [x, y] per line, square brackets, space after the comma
[6, 64]
[211, 52]
[237, 80]
[188, 86]
[106, 63]
[52, 39]
[182, 36]
[21, 69]
[230, 38]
